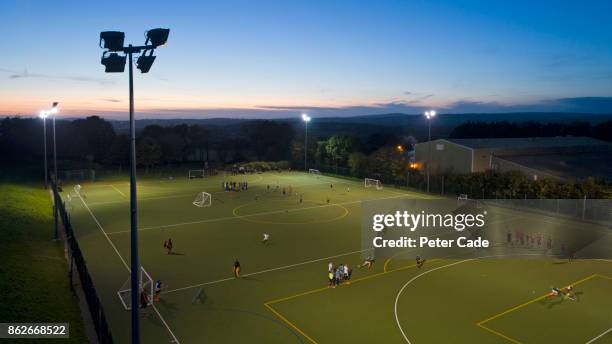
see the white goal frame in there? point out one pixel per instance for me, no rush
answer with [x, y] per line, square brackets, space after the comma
[192, 174]
[369, 182]
[314, 171]
[145, 282]
[76, 191]
[203, 199]
[462, 197]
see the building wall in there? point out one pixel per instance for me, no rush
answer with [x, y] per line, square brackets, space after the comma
[445, 157]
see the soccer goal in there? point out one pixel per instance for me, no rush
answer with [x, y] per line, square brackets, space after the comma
[76, 191]
[145, 283]
[192, 174]
[203, 199]
[314, 172]
[369, 182]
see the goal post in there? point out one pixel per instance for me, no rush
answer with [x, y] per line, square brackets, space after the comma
[314, 171]
[203, 199]
[192, 174]
[369, 182]
[145, 283]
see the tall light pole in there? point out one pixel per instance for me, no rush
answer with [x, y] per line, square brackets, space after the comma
[306, 119]
[429, 115]
[115, 63]
[43, 115]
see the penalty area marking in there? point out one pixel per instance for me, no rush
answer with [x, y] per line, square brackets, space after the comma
[480, 323]
[175, 340]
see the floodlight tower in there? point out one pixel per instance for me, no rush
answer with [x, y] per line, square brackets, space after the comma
[115, 63]
[43, 115]
[429, 115]
[306, 119]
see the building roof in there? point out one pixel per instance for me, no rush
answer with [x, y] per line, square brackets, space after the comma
[528, 142]
[573, 165]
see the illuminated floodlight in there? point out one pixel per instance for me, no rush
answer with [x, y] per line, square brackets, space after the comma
[113, 40]
[305, 117]
[157, 37]
[400, 148]
[43, 114]
[430, 114]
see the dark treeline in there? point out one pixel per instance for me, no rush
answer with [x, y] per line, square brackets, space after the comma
[602, 131]
[92, 143]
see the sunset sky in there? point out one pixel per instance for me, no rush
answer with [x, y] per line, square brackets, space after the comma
[280, 58]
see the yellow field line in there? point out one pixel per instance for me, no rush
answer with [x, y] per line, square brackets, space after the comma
[290, 323]
[499, 334]
[269, 303]
[480, 323]
[604, 276]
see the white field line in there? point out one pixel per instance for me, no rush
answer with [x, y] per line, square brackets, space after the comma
[272, 212]
[119, 191]
[601, 335]
[126, 266]
[265, 271]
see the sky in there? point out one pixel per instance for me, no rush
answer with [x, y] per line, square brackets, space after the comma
[265, 59]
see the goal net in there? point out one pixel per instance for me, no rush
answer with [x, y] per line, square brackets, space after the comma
[369, 182]
[192, 174]
[76, 191]
[145, 283]
[203, 199]
[315, 172]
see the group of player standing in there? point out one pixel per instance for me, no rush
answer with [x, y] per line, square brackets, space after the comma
[235, 186]
[338, 274]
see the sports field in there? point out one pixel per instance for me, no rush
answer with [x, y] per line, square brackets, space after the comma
[282, 296]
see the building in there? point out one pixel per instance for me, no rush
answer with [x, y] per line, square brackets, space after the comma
[539, 157]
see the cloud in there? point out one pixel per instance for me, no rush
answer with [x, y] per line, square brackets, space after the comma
[25, 74]
[111, 100]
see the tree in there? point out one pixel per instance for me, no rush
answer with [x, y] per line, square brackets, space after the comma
[148, 153]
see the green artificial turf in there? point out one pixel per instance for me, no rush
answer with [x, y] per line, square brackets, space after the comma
[283, 295]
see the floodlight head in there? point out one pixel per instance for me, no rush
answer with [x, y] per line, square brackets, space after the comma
[305, 118]
[157, 37]
[113, 40]
[113, 62]
[43, 114]
[430, 114]
[144, 63]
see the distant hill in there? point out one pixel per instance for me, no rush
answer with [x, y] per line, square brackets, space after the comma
[393, 123]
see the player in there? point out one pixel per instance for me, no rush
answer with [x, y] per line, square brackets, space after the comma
[420, 261]
[348, 189]
[568, 293]
[554, 292]
[266, 237]
[330, 267]
[158, 288]
[327, 200]
[144, 299]
[368, 262]
[168, 245]
[236, 268]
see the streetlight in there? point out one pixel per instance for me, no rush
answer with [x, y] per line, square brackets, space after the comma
[115, 63]
[429, 115]
[306, 119]
[43, 115]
